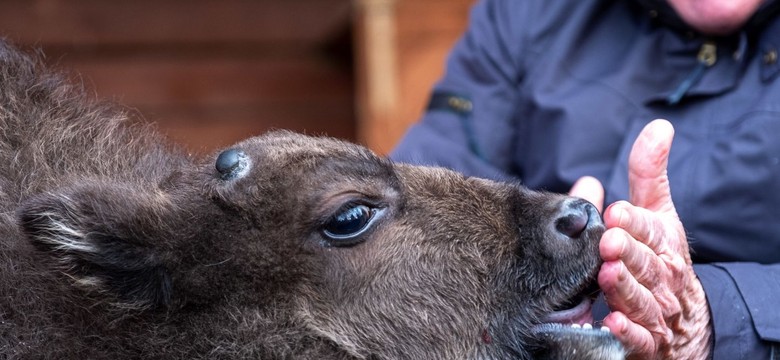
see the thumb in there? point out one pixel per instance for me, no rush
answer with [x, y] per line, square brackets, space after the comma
[589, 188]
[647, 177]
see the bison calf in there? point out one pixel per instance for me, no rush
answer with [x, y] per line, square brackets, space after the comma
[115, 245]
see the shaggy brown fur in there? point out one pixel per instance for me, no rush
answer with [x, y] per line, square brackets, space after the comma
[114, 245]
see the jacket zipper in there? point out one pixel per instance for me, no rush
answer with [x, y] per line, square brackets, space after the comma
[707, 56]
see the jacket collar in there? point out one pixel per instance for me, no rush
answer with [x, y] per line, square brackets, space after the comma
[758, 41]
[664, 13]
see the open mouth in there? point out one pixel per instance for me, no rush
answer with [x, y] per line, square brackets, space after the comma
[578, 314]
[573, 315]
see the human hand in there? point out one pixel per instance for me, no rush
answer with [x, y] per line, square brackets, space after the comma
[659, 307]
[590, 189]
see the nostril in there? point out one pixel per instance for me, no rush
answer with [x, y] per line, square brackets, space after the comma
[573, 220]
[572, 225]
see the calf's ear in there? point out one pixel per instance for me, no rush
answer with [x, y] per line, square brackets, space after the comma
[102, 236]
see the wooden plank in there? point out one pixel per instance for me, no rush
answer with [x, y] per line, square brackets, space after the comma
[377, 73]
[423, 47]
[101, 22]
[420, 35]
[432, 17]
[148, 82]
[203, 129]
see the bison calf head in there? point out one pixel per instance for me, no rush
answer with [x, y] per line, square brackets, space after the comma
[288, 245]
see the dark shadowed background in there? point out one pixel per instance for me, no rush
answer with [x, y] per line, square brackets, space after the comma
[213, 72]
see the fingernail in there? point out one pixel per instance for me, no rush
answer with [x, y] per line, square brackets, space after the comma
[622, 216]
[622, 272]
[621, 324]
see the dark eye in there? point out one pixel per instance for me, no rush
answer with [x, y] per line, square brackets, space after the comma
[231, 163]
[345, 227]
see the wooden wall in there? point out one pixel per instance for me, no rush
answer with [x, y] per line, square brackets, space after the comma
[209, 72]
[212, 72]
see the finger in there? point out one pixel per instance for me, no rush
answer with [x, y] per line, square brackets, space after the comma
[623, 293]
[590, 189]
[640, 260]
[648, 183]
[641, 224]
[638, 342]
[658, 269]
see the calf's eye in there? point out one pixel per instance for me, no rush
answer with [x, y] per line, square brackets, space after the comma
[345, 227]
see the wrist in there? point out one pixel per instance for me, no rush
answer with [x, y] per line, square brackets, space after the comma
[694, 334]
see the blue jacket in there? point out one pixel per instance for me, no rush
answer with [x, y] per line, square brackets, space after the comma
[548, 91]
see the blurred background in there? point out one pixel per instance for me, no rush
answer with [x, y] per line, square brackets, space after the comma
[210, 73]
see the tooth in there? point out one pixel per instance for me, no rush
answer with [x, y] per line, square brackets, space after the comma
[604, 328]
[576, 326]
[587, 326]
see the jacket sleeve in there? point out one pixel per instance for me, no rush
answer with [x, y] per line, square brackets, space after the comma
[468, 125]
[744, 300]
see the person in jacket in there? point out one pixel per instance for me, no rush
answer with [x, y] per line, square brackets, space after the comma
[552, 92]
